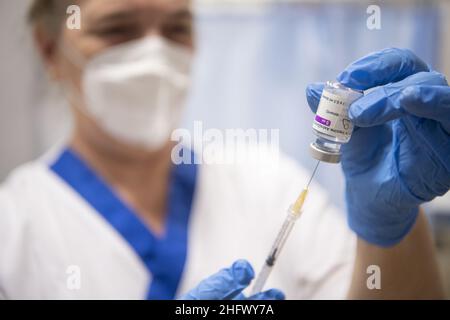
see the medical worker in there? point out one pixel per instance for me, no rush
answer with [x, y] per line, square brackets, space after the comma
[109, 214]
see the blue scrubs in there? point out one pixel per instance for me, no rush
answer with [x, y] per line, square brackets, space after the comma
[165, 256]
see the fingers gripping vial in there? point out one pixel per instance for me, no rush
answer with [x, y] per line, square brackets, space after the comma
[332, 125]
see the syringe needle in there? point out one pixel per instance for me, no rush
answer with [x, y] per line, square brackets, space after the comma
[312, 175]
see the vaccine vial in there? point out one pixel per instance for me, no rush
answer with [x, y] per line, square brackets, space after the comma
[332, 125]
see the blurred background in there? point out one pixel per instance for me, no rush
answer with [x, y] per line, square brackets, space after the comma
[255, 58]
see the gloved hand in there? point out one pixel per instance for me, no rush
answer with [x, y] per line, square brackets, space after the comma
[228, 284]
[399, 157]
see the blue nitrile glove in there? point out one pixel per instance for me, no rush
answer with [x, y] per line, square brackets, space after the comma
[228, 284]
[399, 157]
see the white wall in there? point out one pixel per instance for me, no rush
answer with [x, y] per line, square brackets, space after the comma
[32, 116]
[16, 86]
[445, 38]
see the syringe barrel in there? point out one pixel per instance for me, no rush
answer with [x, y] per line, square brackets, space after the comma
[271, 259]
[261, 279]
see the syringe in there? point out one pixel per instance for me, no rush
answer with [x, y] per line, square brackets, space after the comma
[294, 213]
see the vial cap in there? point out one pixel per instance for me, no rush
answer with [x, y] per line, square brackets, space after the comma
[323, 155]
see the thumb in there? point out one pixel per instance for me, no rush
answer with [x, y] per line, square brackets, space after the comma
[313, 95]
[430, 102]
[385, 103]
[272, 294]
[224, 285]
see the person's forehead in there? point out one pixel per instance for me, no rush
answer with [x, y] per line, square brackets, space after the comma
[110, 6]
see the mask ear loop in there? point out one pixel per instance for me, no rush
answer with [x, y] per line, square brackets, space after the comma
[74, 56]
[67, 87]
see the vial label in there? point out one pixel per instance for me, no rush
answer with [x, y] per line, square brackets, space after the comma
[332, 116]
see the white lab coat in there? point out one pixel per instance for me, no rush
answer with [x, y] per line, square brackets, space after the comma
[49, 234]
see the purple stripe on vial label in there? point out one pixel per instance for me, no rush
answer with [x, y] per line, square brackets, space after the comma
[323, 121]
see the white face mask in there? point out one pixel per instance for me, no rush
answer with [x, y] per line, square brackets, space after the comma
[136, 91]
